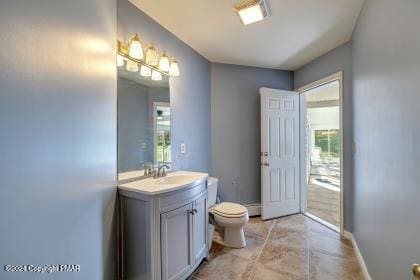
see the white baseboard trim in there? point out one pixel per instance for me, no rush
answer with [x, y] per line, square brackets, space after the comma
[359, 256]
[253, 209]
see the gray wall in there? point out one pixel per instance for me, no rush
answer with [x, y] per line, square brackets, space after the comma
[334, 61]
[58, 136]
[190, 92]
[386, 71]
[134, 125]
[235, 118]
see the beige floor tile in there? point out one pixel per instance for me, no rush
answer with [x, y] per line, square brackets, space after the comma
[225, 267]
[258, 227]
[288, 248]
[289, 237]
[296, 222]
[280, 258]
[261, 272]
[254, 245]
[331, 246]
[327, 267]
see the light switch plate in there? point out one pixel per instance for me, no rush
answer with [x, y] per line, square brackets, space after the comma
[182, 148]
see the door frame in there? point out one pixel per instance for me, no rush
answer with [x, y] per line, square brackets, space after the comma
[338, 76]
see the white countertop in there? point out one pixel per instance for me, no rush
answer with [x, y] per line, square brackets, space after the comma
[173, 181]
[130, 175]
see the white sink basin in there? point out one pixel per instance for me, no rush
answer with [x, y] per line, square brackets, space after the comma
[173, 181]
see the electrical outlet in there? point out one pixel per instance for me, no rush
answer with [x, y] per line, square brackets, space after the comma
[182, 148]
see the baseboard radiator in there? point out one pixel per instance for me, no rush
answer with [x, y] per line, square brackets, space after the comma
[253, 209]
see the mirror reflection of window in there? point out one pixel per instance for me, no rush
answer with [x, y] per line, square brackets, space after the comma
[162, 132]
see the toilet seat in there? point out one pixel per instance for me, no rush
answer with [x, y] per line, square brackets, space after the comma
[230, 210]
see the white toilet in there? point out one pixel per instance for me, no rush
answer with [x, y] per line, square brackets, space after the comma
[229, 217]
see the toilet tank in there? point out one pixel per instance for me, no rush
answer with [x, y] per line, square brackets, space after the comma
[212, 191]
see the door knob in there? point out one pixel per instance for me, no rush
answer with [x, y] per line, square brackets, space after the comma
[416, 271]
[266, 164]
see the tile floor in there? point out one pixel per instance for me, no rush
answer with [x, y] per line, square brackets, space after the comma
[293, 247]
[324, 204]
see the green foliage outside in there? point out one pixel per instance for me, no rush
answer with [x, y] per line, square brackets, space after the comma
[163, 147]
[329, 142]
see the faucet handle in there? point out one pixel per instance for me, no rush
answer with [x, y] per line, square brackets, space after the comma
[163, 174]
[147, 168]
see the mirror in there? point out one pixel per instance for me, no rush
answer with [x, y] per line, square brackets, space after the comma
[144, 123]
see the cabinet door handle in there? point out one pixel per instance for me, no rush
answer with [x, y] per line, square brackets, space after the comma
[193, 211]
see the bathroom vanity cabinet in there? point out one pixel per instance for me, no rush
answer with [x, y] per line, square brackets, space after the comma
[163, 234]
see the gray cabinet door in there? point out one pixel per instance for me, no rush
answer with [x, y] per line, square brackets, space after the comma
[176, 232]
[199, 224]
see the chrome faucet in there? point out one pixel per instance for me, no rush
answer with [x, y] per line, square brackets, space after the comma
[148, 169]
[161, 171]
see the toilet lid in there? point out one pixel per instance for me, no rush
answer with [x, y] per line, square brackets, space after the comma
[229, 209]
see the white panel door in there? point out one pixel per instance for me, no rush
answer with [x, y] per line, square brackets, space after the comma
[280, 191]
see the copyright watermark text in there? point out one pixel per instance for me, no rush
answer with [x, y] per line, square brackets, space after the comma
[49, 268]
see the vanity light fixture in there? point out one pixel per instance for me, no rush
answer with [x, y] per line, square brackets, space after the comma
[145, 71]
[156, 76]
[164, 62]
[251, 11]
[150, 64]
[120, 60]
[135, 49]
[151, 55]
[132, 66]
[174, 68]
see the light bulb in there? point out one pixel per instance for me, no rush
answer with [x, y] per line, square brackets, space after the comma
[156, 76]
[135, 50]
[174, 68]
[145, 71]
[120, 60]
[164, 62]
[151, 56]
[132, 66]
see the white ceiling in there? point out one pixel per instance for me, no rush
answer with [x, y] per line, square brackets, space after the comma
[297, 31]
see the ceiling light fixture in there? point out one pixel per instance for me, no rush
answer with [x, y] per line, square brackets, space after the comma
[251, 11]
